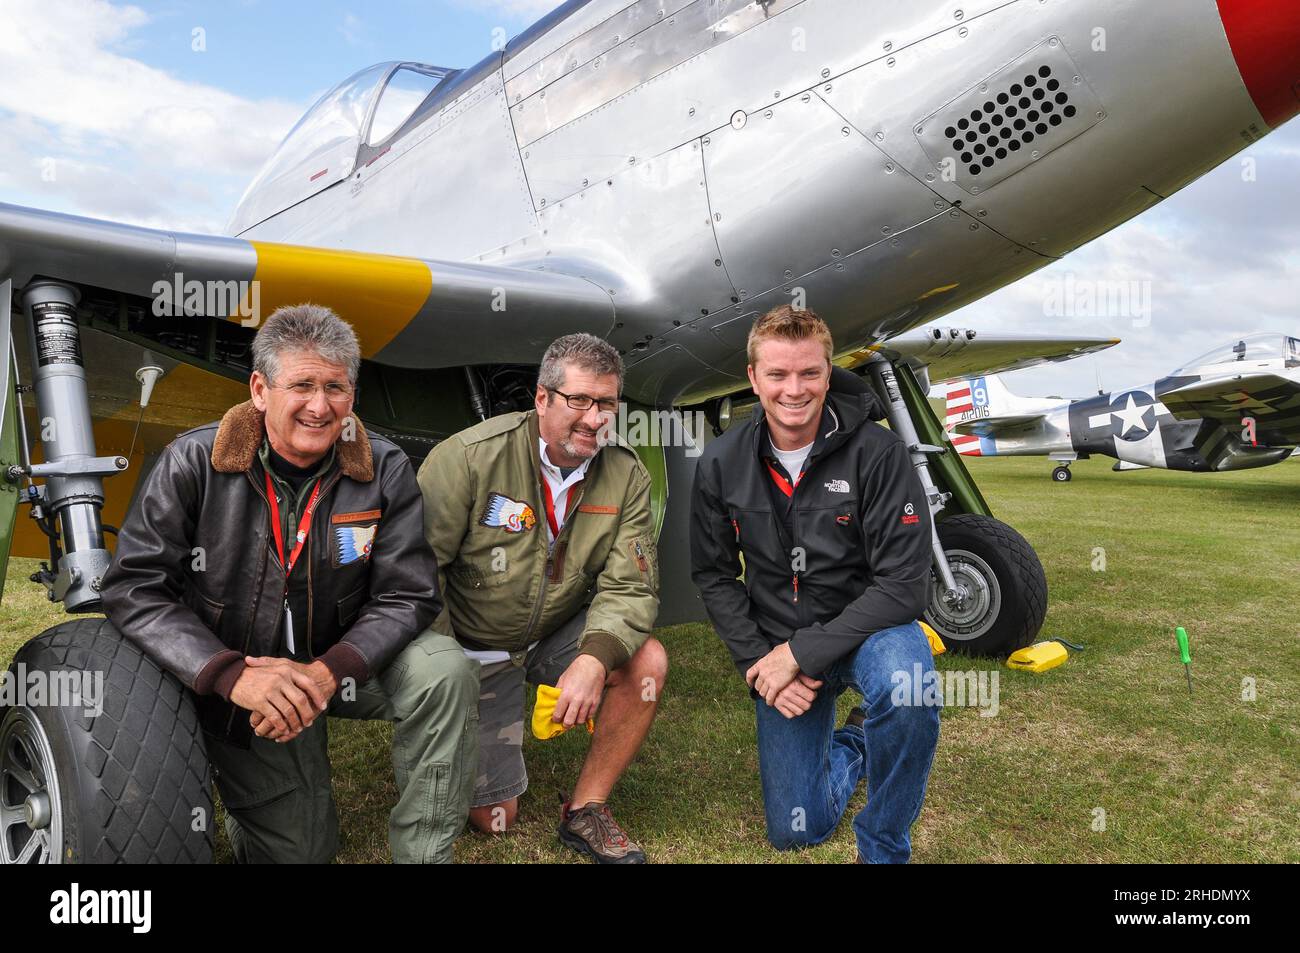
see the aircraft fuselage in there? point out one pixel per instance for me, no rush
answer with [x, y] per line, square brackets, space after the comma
[882, 163]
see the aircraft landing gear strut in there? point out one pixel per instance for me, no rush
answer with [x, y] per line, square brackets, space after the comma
[988, 593]
[1062, 460]
[74, 488]
[108, 702]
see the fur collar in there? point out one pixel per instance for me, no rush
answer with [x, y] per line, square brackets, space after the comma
[240, 435]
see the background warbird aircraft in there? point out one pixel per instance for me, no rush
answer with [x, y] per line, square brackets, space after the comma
[659, 172]
[1235, 408]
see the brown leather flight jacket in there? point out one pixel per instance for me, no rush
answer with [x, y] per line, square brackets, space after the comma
[197, 583]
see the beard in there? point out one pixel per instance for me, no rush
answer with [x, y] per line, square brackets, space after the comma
[571, 447]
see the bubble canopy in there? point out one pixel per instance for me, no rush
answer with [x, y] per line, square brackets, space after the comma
[368, 107]
[1251, 349]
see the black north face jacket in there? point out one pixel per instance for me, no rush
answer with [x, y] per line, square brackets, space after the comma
[845, 555]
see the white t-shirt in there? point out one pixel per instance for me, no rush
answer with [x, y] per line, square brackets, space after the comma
[792, 460]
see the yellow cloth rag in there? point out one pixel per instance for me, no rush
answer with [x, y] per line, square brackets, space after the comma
[544, 728]
[936, 644]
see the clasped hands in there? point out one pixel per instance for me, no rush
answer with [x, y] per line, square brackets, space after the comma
[283, 697]
[777, 678]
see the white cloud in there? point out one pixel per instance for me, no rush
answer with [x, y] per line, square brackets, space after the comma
[352, 30]
[128, 141]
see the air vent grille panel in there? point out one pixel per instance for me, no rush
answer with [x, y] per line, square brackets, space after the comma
[1009, 120]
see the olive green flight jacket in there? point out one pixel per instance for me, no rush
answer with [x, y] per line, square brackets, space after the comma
[503, 587]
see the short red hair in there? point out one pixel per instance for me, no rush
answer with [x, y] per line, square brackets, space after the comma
[789, 324]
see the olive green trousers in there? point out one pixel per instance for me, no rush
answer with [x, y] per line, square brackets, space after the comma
[278, 797]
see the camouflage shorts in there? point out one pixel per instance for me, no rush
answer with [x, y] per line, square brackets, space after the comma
[501, 774]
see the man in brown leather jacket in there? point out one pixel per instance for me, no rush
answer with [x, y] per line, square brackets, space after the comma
[199, 582]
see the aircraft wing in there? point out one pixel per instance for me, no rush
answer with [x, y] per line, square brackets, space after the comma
[952, 354]
[994, 426]
[408, 312]
[177, 301]
[1272, 401]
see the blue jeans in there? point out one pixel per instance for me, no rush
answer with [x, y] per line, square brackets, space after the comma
[810, 768]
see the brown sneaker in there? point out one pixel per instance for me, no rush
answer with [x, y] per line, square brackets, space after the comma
[592, 830]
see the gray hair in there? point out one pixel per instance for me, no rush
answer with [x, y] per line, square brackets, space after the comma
[588, 352]
[305, 327]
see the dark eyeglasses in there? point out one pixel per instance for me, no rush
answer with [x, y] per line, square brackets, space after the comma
[606, 405]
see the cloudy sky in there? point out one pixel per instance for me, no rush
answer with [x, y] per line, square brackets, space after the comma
[159, 113]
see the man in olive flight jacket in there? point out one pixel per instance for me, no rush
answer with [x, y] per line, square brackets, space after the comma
[545, 545]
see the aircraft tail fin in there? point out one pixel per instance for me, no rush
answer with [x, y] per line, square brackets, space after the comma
[974, 398]
[986, 393]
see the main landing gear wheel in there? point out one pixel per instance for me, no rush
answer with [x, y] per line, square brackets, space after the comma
[116, 773]
[1002, 588]
[1061, 474]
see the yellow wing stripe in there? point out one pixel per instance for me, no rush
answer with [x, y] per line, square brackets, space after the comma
[937, 291]
[855, 358]
[377, 294]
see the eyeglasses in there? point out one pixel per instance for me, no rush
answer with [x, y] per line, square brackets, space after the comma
[335, 392]
[606, 405]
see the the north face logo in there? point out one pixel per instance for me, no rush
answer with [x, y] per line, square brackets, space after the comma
[838, 486]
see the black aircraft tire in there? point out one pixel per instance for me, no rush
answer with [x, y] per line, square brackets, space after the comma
[128, 782]
[1003, 572]
[1061, 475]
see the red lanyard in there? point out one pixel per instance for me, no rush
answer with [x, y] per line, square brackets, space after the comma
[781, 482]
[786, 487]
[550, 506]
[304, 525]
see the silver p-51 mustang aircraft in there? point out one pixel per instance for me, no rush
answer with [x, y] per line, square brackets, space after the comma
[1235, 408]
[658, 172]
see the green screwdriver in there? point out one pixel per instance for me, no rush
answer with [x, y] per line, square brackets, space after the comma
[1185, 652]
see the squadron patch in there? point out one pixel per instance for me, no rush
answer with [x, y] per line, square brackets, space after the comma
[511, 515]
[354, 542]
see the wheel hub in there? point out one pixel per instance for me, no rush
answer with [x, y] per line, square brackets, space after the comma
[975, 608]
[956, 598]
[37, 810]
[31, 819]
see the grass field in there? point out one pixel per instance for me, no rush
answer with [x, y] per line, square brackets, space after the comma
[1210, 777]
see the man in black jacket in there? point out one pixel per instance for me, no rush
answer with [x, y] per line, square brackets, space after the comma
[276, 564]
[825, 507]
